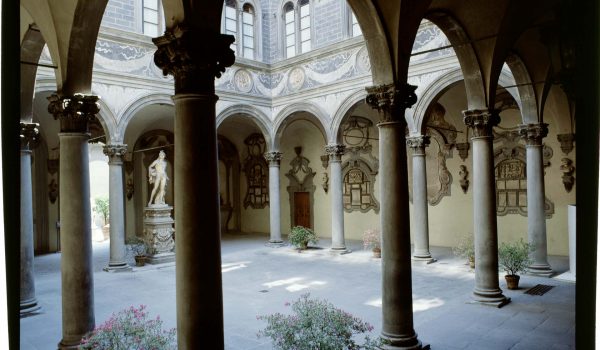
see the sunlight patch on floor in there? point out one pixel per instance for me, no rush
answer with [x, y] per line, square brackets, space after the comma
[425, 304]
[234, 266]
[297, 287]
[279, 283]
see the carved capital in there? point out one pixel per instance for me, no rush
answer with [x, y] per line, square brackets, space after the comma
[533, 133]
[566, 142]
[29, 135]
[390, 100]
[193, 57]
[335, 152]
[418, 144]
[481, 121]
[115, 153]
[273, 158]
[73, 112]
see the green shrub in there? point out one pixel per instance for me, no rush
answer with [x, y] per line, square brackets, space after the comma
[300, 236]
[514, 257]
[465, 248]
[101, 206]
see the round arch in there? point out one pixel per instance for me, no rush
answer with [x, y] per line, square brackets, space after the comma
[291, 113]
[134, 107]
[258, 117]
[528, 101]
[341, 112]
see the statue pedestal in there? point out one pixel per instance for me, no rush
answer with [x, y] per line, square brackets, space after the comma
[158, 234]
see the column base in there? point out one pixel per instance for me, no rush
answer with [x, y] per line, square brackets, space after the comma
[424, 259]
[64, 345]
[120, 267]
[493, 298]
[543, 270]
[275, 244]
[29, 307]
[400, 343]
[340, 251]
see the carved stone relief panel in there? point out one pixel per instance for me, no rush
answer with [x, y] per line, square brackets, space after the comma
[257, 173]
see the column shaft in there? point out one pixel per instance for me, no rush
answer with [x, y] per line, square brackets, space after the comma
[420, 204]
[274, 205]
[75, 239]
[198, 242]
[28, 301]
[338, 242]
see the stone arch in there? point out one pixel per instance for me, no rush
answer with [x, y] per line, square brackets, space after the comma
[31, 49]
[527, 97]
[432, 92]
[289, 114]
[469, 63]
[341, 112]
[134, 107]
[261, 120]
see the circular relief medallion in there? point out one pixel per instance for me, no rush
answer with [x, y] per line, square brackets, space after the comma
[243, 80]
[296, 79]
[363, 63]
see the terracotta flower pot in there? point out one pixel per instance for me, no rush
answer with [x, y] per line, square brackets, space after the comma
[512, 281]
[377, 252]
[140, 260]
[472, 263]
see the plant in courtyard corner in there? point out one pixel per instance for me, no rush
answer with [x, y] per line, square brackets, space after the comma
[514, 258]
[466, 249]
[137, 247]
[372, 240]
[316, 325]
[130, 329]
[300, 236]
[101, 207]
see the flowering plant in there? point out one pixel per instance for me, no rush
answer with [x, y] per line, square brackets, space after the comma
[372, 239]
[130, 329]
[316, 324]
[136, 246]
[300, 236]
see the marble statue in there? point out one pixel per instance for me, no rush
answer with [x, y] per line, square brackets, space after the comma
[157, 173]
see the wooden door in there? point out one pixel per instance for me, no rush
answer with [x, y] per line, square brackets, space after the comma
[302, 209]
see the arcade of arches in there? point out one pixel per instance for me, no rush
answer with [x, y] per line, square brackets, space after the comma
[464, 112]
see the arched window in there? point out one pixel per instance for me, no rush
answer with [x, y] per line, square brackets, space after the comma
[290, 30]
[248, 31]
[150, 18]
[231, 21]
[355, 28]
[304, 25]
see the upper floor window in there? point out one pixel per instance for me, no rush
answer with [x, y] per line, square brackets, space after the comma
[248, 31]
[297, 28]
[231, 20]
[355, 28]
[150, 17]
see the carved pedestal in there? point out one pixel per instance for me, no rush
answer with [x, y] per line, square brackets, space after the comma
[158, 234]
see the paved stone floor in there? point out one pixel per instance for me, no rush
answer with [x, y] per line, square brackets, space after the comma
[260, 280]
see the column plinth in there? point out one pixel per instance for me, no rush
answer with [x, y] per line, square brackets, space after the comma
[420, 204]
[536, 214]
[487, 289]
[74, 112]
[28, 303]
[338, 242]
[195, 57]
[274, 159]
[117, 261]
[397, 326]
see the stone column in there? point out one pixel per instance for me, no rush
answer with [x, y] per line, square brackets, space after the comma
[487, 289]
[536, 198]
[338, 243]
[28, 301]
[420, 204]
[195, 57]
[74, 112]
[397, 325]
[274, 159]
[117, 261]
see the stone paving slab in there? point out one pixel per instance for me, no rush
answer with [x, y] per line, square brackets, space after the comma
[259, 280]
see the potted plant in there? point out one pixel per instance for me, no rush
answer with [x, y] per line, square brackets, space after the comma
[137, 247]
[300, 236]
[513, 258]
[466, 249]
[372, 240]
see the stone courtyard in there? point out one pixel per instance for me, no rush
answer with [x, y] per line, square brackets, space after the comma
[259, 280]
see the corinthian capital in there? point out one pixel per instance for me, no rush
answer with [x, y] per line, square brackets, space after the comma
[115, 153]
[335, 152]
[273, 158]
[481, 121]
[418, 143]
[193, 57]
[74, 112]
[29, 135]
[533, 133]
[391, 100]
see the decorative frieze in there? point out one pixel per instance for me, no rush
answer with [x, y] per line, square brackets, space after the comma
[418, 144]
[533, 133]
[274, 158]
[481, 121]
[29, 135]
[390, 99]
[115, 153]
[74, 112]
[335, 152]
[193, 57]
